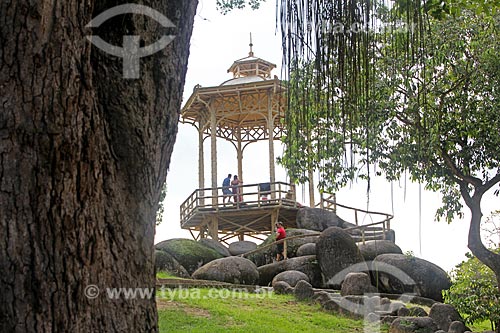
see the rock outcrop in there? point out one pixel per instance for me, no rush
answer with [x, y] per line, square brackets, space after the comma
[189, 253]
[241, 247]
[317, 219]
[165, 262]
[215, 245]
[235, 270]
[307, 249]
[423, 277]
[444, 315]
[371, 249]
[413, 325]
[358, 283]
[290, 277]
[266, 256]
[338, 255]
[306, 264]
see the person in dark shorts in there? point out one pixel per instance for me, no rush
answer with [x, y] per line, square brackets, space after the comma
[226, 191]
[280, 234]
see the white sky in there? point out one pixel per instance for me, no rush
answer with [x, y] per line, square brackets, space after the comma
[217, 41]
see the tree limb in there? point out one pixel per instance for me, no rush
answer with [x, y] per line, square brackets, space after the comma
[464, 191]
[476, 182]
[490, 183]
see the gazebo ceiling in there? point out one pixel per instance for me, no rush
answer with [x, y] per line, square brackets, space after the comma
[243, 79]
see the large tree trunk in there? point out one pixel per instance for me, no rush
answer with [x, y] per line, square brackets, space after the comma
[83, 155]
[475, 244]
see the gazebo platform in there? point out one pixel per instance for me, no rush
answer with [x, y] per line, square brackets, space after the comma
[259, 207]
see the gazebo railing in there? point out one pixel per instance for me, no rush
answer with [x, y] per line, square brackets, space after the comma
[252, 195]
[329, 202]
[372, 231]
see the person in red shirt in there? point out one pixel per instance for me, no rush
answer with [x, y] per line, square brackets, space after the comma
[280, 234]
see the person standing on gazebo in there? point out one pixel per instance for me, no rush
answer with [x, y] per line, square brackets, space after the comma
[235, 185]
[225, 189]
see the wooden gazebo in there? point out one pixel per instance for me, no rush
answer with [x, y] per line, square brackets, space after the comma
[247, 108]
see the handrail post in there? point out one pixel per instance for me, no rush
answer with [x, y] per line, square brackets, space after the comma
[335, 203]
[237, 197]
[259, 196]
[384, 230]
[285, 255]
[356, 216]
[388, 226]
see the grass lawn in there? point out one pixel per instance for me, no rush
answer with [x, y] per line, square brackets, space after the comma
[220, 310]
[165, 275]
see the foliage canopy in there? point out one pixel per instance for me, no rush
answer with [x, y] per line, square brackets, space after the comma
[417, 96]
[225, 6]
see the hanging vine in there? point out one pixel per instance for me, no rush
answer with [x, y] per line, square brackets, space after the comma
[414, 90]
[330, 48]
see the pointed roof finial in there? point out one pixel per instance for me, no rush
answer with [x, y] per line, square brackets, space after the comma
[250, 54]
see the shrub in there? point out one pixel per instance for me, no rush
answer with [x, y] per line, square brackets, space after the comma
[474, 292]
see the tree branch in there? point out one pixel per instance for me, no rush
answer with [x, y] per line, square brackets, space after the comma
[490, 183]
[456, 85]
[406, 121]
[476, 182]
[457, 173]
[464, 191]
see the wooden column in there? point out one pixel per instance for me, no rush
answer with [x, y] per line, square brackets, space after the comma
[203, 232]
[213, 141]
[270, 129]
[213, 228]
[274, 219]
[239, 153]
[201, 163]
[293, 189]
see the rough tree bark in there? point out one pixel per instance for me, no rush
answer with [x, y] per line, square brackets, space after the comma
[83, 156]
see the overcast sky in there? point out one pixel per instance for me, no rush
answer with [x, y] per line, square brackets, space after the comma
[217, 41]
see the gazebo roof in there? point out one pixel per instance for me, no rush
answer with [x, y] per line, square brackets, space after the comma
[251, 66]
[241, 105]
